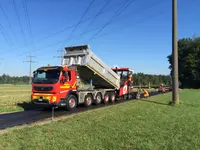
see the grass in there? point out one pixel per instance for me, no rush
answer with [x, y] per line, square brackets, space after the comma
[147, 124]
[12, 95]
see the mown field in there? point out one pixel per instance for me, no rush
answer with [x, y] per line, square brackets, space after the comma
[144, 124]
[16, 97]
[11, 96]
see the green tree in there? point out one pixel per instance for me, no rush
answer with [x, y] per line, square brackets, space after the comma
[189, 63]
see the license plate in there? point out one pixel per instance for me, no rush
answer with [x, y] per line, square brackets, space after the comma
[40, 99]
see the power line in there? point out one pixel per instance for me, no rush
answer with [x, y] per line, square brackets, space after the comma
[124, 6]
[4, 13]
[45, 47]
[5, 35]
[62, 41]
[87, 9]
[87, 31]
[67, 28]
[30, 61]
[80, 19]
[60, 56]
[101, 10]
[19, 20]
[127, 15]
[27, 20]
[72, 26]
[142, 20]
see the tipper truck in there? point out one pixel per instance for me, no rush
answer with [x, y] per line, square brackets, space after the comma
[81, 79]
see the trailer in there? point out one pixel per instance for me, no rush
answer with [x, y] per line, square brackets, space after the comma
[83, 78]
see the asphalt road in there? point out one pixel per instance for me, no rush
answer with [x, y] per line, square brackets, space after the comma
[31, 116]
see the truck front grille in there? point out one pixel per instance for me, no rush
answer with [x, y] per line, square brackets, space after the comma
[41, 102]
[43, 88]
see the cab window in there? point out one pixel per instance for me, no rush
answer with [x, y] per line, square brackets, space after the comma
[67, 75]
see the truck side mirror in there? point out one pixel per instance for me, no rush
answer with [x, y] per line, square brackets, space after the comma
[62, 81]
[34, 73]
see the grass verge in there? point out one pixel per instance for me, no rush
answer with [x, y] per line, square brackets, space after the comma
[145, 124]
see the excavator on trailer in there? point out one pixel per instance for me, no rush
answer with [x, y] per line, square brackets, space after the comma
[81, 79]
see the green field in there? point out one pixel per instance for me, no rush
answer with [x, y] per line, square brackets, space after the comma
[11, 96]
[143, 124]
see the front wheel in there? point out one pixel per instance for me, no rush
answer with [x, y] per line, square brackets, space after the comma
[71, 102]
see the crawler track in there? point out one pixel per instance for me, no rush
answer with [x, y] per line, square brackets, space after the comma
[31, 116]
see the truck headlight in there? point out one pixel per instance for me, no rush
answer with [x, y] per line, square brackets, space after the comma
[54, 99]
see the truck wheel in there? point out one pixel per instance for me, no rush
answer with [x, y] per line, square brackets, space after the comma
[88, 100]
[71, 102]
[106, 98]
[98, 99]
[138, 95]
[112, 97]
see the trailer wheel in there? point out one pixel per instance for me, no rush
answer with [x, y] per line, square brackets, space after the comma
[88, 100]
[112, 97]
[98, 99]
[71, 102]
[106, 98]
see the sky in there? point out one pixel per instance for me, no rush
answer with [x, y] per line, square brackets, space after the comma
[138, 38]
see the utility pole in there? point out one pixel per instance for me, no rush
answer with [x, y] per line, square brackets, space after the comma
[61, 56]
[175, 81]
[30, 61]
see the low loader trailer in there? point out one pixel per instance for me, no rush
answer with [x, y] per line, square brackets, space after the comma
[81, 79]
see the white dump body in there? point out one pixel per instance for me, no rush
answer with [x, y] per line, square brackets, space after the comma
[89, 66]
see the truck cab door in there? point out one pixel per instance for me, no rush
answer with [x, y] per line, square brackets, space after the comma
[67, 80]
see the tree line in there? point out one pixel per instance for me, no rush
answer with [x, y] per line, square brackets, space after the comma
[6, 79]
[189, 62]
[152, 80]
[139, 79]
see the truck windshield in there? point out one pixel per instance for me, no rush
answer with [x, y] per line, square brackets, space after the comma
[46, 76]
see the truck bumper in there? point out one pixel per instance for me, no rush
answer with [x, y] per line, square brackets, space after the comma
[47, 103]
[47, 100]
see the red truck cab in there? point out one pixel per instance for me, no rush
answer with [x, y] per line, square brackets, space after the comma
[50, 85]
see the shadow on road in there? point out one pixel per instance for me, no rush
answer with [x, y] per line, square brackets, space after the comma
[28, 106]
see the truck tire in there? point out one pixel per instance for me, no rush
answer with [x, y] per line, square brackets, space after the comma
[88, 100]
[112, 97]
[71, 102]
[138, 95]
[106, 98]
[98, 99]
